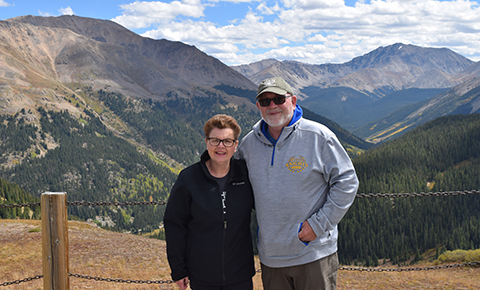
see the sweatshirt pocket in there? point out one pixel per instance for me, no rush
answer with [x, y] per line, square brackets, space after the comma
[282, 242]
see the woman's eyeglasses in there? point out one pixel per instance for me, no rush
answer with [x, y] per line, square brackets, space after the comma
[278, 100]
[216, 142]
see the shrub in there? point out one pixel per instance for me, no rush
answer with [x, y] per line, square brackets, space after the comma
[34, 230]
[459, 256]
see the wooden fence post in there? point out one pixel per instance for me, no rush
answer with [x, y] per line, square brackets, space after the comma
[55, 241]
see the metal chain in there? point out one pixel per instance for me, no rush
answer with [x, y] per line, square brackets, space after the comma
[408, 268]
[89, 203]
[360, 195]
[20, 205]
[121, 280]
[21, 281]
[439, 193]
[458, 265]
[115, 203]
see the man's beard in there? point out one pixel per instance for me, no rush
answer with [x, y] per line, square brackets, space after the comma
[279, 120]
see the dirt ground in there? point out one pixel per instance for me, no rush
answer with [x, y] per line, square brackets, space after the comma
[99, 253]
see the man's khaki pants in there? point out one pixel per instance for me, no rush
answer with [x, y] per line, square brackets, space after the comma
[317, 275]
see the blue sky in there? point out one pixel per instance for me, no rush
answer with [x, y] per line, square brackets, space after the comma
[309, 31]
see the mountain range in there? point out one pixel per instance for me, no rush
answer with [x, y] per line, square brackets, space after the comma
[376, 74]
[45, 61]
[48, 61]
[86, 104]
[114, 55]
[367, 89]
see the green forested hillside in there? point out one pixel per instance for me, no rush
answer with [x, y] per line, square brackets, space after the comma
[442, 155]
[91, 164]
[81, 156]
[12, 194]
[176, 125]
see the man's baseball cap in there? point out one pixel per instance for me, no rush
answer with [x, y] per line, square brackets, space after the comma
[275, 85]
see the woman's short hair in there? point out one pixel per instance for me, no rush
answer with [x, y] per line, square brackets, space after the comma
[222, 121]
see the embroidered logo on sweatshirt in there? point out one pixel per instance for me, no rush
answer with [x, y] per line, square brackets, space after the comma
[297, 164]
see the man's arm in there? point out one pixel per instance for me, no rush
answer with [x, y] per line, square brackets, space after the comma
[343, 183]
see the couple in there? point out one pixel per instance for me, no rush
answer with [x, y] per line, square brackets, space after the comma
[303, 183]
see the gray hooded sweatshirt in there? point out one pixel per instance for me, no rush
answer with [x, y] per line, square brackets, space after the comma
[305, 176]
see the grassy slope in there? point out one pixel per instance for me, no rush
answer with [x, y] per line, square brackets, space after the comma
[97, 252]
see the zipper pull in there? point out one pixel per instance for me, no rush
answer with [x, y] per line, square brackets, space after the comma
[224, 199]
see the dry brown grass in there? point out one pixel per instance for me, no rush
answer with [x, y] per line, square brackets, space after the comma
[454, 278]
[96, 252]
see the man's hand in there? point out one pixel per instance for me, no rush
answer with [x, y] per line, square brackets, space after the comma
[182, 283]
[306, 234]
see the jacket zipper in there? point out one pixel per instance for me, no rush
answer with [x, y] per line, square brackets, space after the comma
[224, 205]
[275, 145]
[273, 155]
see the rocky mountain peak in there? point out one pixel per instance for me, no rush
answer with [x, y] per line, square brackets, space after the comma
[385, 69]
[186, 61]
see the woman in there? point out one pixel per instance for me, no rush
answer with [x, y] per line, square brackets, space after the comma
[207, 218]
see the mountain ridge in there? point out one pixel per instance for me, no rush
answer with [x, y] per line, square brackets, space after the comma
[57, 55]
[45, 56]
[103, 55]
[367, 89]
[184, 60]
[461, 99]
[385, 69]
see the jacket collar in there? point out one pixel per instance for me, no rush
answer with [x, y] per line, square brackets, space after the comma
[205, 157]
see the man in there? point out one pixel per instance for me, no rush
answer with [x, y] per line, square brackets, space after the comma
[303, 182]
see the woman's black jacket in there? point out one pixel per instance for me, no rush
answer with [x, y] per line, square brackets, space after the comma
[201, 243]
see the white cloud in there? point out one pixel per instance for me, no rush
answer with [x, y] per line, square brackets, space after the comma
[66, 11]
[312, 31]
[144, 14]
[313, 4]
[233, 1]
[251, 32]
[264, 9]
[3, 3]
[44, 14]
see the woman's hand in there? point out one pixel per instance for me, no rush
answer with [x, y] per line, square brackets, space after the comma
[182, 283]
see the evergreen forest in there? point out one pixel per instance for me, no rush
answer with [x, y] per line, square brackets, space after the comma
[85, 159]
[91, 164]
[15, 195]
[175, 126]
[441, 155]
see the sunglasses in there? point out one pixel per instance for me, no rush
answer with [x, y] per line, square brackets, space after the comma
[278, 100]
